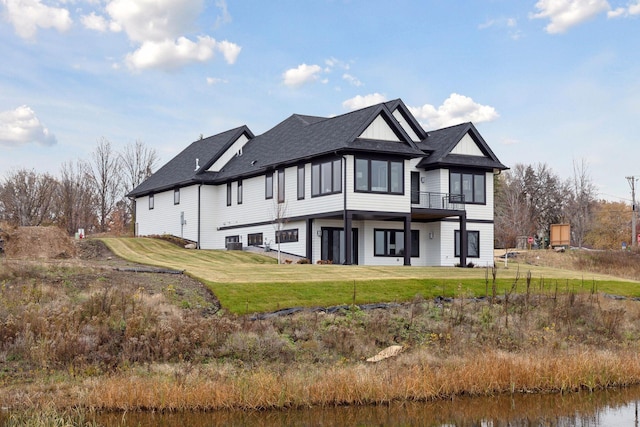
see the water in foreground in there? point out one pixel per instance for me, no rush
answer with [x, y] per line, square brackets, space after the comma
[606, 408]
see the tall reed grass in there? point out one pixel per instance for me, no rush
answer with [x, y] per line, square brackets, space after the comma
[413, 377]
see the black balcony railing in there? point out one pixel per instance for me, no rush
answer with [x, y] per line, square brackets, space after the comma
[431, 200]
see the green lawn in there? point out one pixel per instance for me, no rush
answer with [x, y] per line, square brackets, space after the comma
[247, 282]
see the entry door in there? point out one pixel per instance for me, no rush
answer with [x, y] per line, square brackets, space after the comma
[333, 246]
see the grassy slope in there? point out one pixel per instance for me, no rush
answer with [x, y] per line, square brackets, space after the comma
[247, 282]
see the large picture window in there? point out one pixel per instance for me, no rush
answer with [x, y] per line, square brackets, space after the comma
[379, 176]
[326, 178]
[473, 244]
[391, 243]
[470, 184]
[285, 236]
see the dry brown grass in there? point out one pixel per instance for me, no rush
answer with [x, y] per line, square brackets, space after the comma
[418, 376]
[71, 337]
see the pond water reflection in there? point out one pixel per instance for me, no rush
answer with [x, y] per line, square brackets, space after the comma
[598, 409]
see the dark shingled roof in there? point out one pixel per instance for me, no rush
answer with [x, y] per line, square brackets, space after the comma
[439, 143]
[304, 137]
[181, 170]
[300, 138]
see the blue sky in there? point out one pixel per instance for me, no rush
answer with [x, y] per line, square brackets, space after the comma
[553, 81]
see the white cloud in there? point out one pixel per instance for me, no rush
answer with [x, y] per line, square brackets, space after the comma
[168, 54]
[565, 14]
[455, 110]
[304, 73]
[21, 126]
[29, 15]
[351, 79]
[159, 29]
[336, 63]
[229, 50]
[215, 80]
[359, 101]
[632, 9]
[225, 16]
[95, 22]
[154, 20]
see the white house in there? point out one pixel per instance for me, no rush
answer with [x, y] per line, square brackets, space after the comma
[368, 187]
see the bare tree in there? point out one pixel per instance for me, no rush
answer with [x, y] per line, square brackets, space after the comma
[138, 162]
[75, 199]
[106, 179]
[279, 213]
[26, 198]
[511, 214]
[582, 199]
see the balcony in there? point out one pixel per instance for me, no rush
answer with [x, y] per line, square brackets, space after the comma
[437, 201]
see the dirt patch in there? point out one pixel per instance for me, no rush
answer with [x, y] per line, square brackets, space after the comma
[89, 265]
[38, 243]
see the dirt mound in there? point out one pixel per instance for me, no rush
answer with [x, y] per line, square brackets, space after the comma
[38, 243]
[91, 249]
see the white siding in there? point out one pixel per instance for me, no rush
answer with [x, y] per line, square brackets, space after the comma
[375, 201]
[405, 126]
[448, 244]
[467, 146]
[256, 215]
[165, 216]
[235, 148]
[379, 129]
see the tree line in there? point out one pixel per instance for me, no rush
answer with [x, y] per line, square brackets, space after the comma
[90, 194]
[529, 198]
[87, 194]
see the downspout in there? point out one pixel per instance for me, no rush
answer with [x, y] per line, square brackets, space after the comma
[198, 237]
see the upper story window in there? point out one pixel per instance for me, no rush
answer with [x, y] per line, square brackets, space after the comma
[415, 187]
[301, 182]
[150, 201]
[281, 186]
[379, 176]
[326, 178]
[470, 184]
[268, 185]
[176, 196]
[228, 194]
[240, 192]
